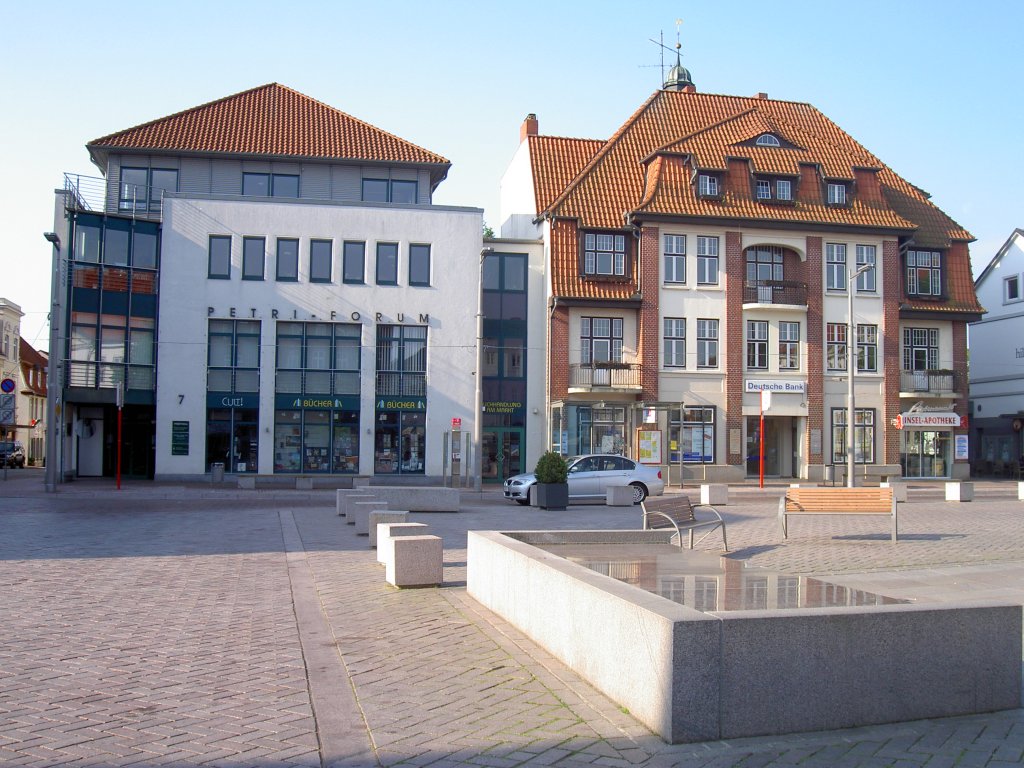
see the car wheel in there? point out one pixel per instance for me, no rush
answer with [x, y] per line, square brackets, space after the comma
[639, 492]
[524, 501]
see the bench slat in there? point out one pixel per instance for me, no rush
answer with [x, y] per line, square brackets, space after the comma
[837, 501]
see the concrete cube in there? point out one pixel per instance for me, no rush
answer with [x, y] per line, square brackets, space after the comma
[1020, 490]
[247, 482]
[959, 491]
[345, 502]
[360, 482]
[379, 516]
[714, 493]
[619, 496]
[360, 516]
[899, 490]
[388, 531]
[304, 483]
[418, 561]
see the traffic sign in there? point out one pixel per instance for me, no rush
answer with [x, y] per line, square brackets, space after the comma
[7, 385]
[7, 410]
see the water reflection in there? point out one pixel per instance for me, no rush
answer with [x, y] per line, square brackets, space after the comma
[708, 582]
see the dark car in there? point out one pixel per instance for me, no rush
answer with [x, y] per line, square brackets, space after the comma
[12, 454]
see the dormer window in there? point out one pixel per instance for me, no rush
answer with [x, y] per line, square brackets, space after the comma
[784, 189]
[707, 185]
[924, 273]
[780, 190]
[836, 193]
[604, 254]
[767, 140]
[764, 189]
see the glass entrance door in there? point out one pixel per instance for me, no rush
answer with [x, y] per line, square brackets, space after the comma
[772, 447]
[502, 453]
[926, 454]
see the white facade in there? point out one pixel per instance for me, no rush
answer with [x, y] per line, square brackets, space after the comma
[10, 335]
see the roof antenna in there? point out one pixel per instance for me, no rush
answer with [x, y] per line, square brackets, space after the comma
[678, 76]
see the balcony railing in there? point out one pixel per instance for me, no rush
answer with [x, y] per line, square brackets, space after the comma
[92, 194]
[775, 292]
[394, 384]
[933, 381]
[611, 375]
[96, 375]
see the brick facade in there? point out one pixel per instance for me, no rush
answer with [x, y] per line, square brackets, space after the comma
[735, 272]
[892, 291]
[815, 354]
[648, 348]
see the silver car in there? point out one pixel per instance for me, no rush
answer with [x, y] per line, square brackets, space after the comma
[590, 477]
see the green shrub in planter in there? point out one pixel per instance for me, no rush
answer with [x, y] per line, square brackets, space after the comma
[551, 468]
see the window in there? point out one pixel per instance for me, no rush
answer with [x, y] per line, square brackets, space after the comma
[867, 348]
[600, 340]
[270, 184]
[604, 254]
[675, 258]
[353, 262]
[419, 265]
[675, 342]
[866, 279]
[1011, 288]
[320, 257]
[707, 260]
[287, 260]
[161, 181]
[757, 344]
[764, 189]
[835, 346]
[707, 185]
[318, 358]
[253, 257]
[403, 191]
[920, 349]
[401, 360]
[707, 343]
[924, 273]
[220, 257]
[863, 436]
[143, 189]
[694, 434]
[144, 247]
[835, 266]
[789, 345]
[836, 194]
[375, 190]
[389, 191]
[784, 189]
[387, 263]
[764, 263]
[233, 356]
[767, 140]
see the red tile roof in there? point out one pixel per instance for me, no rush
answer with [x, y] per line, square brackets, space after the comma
[271, 120]
[31, 358]
[556, 161]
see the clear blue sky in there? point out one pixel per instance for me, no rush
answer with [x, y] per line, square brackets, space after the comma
[930, 86]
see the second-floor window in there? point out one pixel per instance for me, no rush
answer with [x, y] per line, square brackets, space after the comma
[707, 260]
[866, 280]
[757, 344]
[604, 254]
[835, 266]
[707, 343]
[835, 346]
[600, 340]
[419, 264]
[287, 259]
[320, 258]
[387, 263]
[675, 342]
[219, 265]
[920, 349]
[675, 258]
[867, 348]
[789, 345]
[353, 262]
[233, 356]
[764, 263]
[924, 273]
[254, 251]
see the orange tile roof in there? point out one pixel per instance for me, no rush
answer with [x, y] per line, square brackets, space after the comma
[555, 162]
[32, 358]
[271, 120]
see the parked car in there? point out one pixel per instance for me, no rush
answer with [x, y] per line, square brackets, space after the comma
[590, 477]
[12, 454]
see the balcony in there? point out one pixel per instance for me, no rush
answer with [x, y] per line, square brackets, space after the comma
[938, 382]
[587, 377]
[787, 292]
[91, 194]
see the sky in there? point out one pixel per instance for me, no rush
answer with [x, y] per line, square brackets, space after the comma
[929, 86]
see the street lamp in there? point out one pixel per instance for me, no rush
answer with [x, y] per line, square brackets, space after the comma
[53, 379]
[851, 346]
[478, 415]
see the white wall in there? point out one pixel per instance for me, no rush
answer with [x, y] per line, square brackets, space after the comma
[517, 198]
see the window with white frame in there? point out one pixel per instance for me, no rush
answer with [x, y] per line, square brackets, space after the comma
[707, 185]
[836, 194]
[600, 340]
[867, 348]
[675, 258]
[757, 344]
[835, 266]
[863, 436]
[675, 342]
[764, 262]
[604, 254]
[693, 434]
[784, 189]
[767, 140]
[920, 349]
[707, 260]
[707, 343]
[1011, 288]
[764, 189]
[924, 273]
[789, 345]
[835, 346]
[866, 282]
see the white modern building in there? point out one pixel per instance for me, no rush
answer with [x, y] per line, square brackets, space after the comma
[997, 363]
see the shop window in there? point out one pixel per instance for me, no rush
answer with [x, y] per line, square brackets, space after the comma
[863, 436]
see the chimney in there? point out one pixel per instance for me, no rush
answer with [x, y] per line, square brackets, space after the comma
[690, 89]
[528, 128]
[762, 95]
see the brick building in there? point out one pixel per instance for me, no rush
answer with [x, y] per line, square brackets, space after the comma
[705, 253]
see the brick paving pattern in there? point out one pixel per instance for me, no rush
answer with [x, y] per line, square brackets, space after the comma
[191, 626]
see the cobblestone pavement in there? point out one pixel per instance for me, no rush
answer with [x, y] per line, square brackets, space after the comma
[174, 625]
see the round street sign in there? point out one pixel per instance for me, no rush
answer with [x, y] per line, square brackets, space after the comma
[7, 385]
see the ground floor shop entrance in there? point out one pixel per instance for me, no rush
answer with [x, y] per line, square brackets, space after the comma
[502, 453]
[925, 453]
[781, 457]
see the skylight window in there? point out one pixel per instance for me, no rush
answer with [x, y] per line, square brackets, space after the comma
[767, 140]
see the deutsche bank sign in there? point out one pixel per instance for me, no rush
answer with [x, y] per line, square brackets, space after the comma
[775, 385]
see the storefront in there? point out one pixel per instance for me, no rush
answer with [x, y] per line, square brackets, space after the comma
[926, 442]
[400, 437]
[316, 435]
[579, 428]
[232, 431]
[504, 435]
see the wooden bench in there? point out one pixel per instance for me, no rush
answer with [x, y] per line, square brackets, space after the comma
[837, 501]
[677, 512]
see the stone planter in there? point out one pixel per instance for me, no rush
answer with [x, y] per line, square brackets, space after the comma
[552, 495]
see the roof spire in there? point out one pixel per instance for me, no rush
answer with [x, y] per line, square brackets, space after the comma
[678, 76]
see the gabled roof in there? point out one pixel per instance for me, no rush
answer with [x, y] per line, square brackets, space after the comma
[555, 161]
[269, 121]
[1017, 234]
[31, 358]
[711, 128]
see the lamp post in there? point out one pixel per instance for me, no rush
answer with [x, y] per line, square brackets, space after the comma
[851, 346]
[53, 378]
[478, 415]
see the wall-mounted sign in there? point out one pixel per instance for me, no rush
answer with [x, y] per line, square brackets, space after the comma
[649, 446]
[293, 402]
[396, 404]
[228, 400]
[501, 406]
[961, 452]
[926, 419]
[179, 438]
[797, 386]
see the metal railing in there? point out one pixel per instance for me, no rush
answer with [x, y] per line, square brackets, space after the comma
[775, 292]
[935, 380]
[612, 375]
[393, 384]
[93, 194]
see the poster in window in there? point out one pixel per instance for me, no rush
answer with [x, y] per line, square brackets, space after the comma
[649, 446]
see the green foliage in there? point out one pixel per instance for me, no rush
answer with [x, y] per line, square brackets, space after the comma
[488, 232]
[551, 468]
